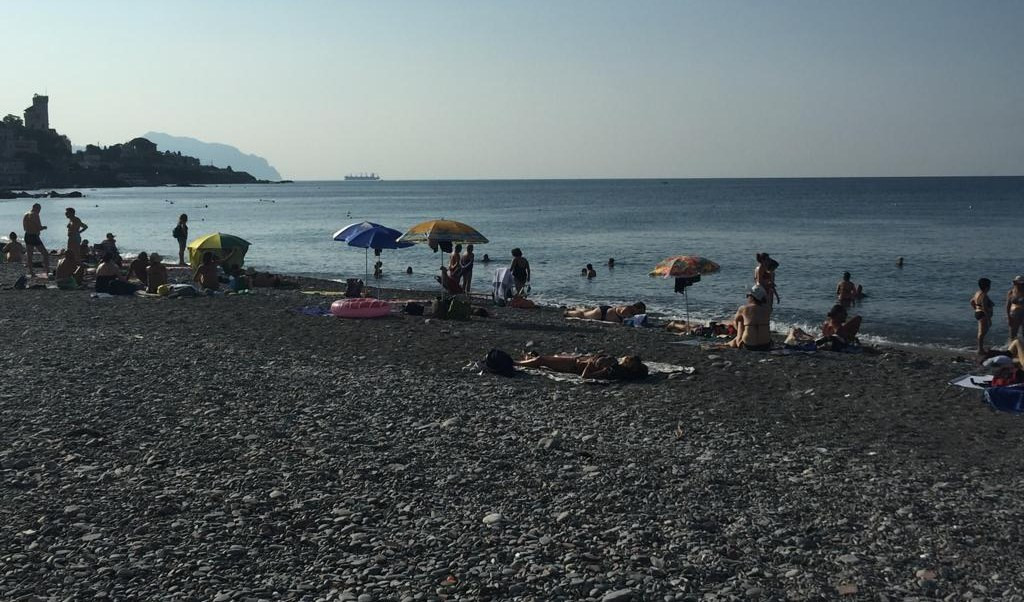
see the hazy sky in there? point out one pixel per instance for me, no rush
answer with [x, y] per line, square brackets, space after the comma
[539, 89]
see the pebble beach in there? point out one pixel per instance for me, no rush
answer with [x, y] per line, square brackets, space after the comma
[233, 448]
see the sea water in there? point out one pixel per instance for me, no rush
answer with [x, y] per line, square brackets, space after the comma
[950, 232]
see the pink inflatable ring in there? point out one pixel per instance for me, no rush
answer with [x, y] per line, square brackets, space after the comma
[360, 308]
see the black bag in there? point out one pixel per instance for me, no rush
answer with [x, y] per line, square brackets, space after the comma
[499, 362]
[413, 309]
[178, 232]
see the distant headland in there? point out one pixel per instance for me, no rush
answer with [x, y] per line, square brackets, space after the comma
[215, 153]
[33, 155]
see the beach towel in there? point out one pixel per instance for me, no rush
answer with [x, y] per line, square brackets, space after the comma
[313, 310]
[501, 286]
[1006, 399]
[970, 381]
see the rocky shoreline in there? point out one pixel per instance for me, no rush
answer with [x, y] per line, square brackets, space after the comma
[233, 448]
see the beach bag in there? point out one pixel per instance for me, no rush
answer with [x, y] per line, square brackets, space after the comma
[413, 309]
[499, 362]
[459, 309]
[178, 232]
[439, 308]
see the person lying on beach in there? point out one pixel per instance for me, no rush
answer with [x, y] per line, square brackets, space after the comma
[13, 251]
[109, 279]
[206, 276]
[70, 273]
[266, 279]
[712, 329]
[603, 367]
[138, 267]
[608, 313]
[156, 274]
[752, 321]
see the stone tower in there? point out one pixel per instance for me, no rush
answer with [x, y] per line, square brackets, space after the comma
[37, 117]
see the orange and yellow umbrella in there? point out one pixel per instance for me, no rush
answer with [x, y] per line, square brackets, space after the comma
[685, 266]
[443, 230]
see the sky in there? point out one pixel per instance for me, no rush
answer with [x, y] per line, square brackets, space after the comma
[539, 89]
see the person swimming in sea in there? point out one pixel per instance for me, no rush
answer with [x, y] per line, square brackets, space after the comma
[983, 308]
[608, 313]
[589, 271]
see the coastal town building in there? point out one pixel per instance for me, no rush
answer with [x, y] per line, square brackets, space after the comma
[37, 117]
[34, 155]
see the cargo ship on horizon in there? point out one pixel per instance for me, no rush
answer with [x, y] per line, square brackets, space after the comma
[363, 177]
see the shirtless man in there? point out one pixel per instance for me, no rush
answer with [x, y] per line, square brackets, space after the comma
[33, 227]
[206, 275]
[75, 228]
[846, 291]
[753, 322]
[14, 252]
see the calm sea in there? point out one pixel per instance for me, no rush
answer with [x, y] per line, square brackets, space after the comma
[951, 231]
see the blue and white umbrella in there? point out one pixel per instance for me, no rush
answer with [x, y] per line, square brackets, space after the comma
[368, 235]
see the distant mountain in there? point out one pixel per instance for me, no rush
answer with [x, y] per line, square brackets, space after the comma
[214, 153]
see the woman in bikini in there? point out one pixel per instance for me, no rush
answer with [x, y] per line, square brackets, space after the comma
[466, 266]
[454, 264]
[75, 228]
[608, 313]
[604, 367]
[1015, 307]
[764, 275]
[983, 310]
[753, 322]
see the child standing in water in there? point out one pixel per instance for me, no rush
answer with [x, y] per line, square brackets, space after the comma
[983, 309]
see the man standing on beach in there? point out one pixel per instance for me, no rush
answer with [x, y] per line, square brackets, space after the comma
[33, 227]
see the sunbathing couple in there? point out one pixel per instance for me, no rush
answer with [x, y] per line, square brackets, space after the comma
[604, 367]
[608, 313]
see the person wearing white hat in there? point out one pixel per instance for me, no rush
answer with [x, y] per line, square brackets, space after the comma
[753, 322]
[1004, 371]
[1015, 307]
